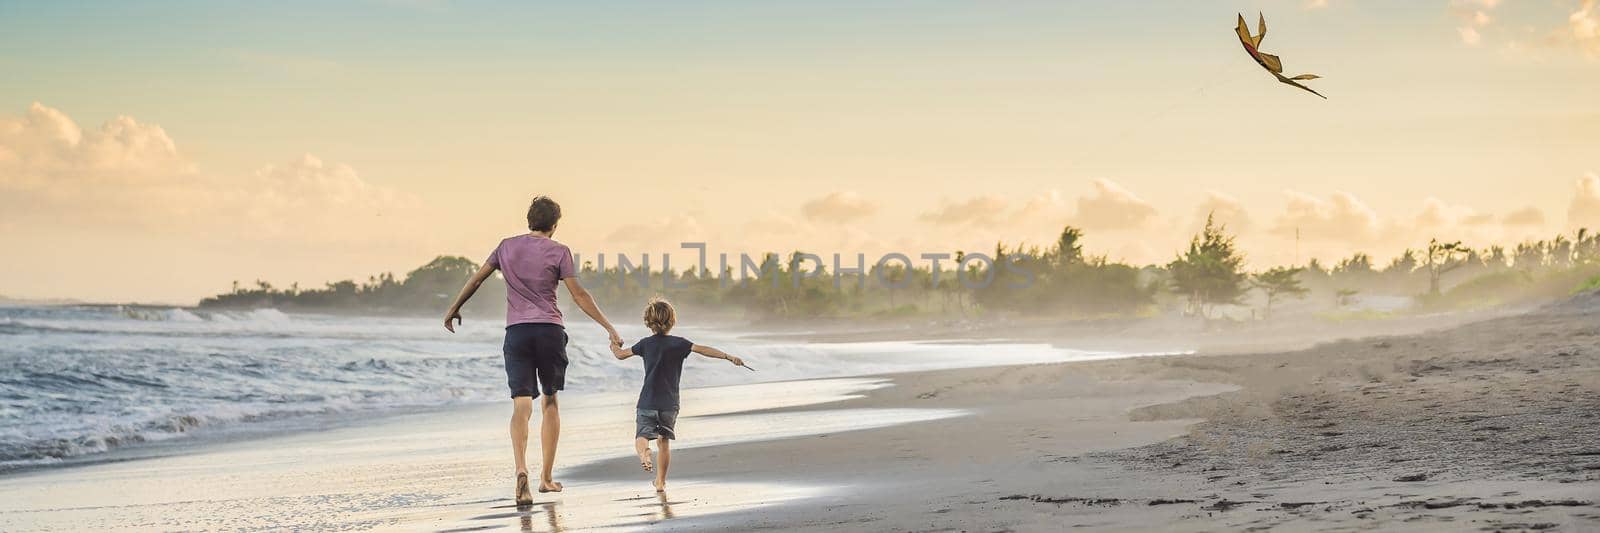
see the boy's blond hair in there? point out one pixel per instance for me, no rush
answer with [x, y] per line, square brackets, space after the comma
[659, 316]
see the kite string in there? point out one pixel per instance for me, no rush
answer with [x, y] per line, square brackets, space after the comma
[1222, 77]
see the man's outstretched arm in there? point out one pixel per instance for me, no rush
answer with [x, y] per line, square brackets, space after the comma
[585, 302]
[466, 294]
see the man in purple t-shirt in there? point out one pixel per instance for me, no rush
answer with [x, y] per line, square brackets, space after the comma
[536, 341]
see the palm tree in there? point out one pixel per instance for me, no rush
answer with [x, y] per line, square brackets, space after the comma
[1442, 258]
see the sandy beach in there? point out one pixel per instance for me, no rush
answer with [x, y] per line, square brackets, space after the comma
[400, 265]
[1486, 424]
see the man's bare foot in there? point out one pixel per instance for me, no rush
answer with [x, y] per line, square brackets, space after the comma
[549, 486]
[661, 486]
[645, 461]
[524, 496]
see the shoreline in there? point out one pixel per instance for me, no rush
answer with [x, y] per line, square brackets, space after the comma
[1392, 432]
[418, 470]
[897, 476]
[1125, 443]
[888, 354]
[1165, 334]
[294, 474]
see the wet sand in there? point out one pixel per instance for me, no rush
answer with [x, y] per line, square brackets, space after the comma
[1028, 428]
[1488, 425]
[442, 470]
[448, 470]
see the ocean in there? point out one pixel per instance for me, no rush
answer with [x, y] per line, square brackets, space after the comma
[84, 383]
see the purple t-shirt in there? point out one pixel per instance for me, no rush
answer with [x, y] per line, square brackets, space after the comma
[533, 267]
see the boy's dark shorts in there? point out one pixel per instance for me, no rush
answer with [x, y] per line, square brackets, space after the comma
[652, 424]
[536, 359]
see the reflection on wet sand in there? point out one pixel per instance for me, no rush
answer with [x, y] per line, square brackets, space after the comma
[661, 509]
[665, 512]
[617, 506]
[552, 518]
[524, 515]
[443, 471]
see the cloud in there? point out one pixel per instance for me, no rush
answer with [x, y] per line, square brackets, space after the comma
[311, 182]
[1048, 207]
[1436, 214]
[45, 148]
[1224, 209]
[775, 224]
[664, 234]
[308, 197]
[1580, 29]
[1527, 216]
[985, 209]
[1439, 219]
[838, 207]
[1584, 25]
[123, 174]
[1341, 217]
[775, 231]
[1112, 207]
[131, 175]
[1108, 208]
[1474, 16]
[1584, 211]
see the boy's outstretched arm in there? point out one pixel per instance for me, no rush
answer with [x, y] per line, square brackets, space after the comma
[585, 302]
[716, 354]
[620, 352]
[466, 294]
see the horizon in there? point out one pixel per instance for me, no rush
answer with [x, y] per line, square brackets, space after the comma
[840, 266]
[187, 145]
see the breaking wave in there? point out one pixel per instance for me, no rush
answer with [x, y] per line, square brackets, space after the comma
[87, 380]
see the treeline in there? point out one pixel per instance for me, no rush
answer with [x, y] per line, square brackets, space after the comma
[1422, 271]
[421, 290]
[1059, 280]
[1440, 275]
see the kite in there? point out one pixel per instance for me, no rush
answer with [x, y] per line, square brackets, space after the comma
[1269, 61]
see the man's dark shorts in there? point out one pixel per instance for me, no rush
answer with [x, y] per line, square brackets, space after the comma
[536, 359]
[652, 424]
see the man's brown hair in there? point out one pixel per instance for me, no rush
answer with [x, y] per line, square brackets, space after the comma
[659, 316]
[543, 214]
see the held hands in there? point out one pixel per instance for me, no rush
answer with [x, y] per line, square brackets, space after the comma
[616, 340]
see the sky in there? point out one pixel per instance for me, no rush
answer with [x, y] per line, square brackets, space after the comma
[158, 151]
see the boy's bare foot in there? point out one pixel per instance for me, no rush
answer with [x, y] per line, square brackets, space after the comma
[645, 461]
[524, 496]
[661, 486]
[549, 486]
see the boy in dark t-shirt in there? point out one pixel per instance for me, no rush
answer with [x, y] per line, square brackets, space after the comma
[657, 412]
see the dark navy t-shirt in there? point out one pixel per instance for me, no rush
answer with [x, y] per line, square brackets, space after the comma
[663, 364]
